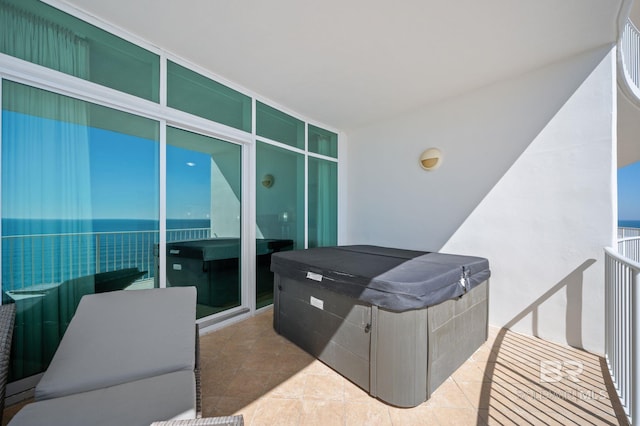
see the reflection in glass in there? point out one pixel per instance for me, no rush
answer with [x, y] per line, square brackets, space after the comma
[203, 218]
[323, 142]
[278, 126]
[80, 196]
[194, 93]
[36, 32]
[279, 211]
[323, 203]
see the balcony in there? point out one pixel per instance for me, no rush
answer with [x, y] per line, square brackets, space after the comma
[512, 379]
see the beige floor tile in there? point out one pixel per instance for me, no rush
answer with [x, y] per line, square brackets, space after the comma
[275, 411]
[322, 413]
[470, 371]
[457, 416]
[260, 361]
[366, 414]
[483, 354]
[293, 362]
[324, 387]
[215, 382]
[417, 416]
[318, 368]
[287, 385]
[354, 393]
[449, 395]
[477, 393]
[247, 384]
[209, 404]
[228, 406]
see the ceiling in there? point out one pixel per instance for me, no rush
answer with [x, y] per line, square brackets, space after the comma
[349, 63]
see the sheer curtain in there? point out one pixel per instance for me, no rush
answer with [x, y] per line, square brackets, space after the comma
[34, 39]
[323, 204]
[45, 186]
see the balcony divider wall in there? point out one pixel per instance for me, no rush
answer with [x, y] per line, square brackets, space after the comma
[150, 86]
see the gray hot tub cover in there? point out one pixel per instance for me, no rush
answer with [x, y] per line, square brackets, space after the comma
[394, 279]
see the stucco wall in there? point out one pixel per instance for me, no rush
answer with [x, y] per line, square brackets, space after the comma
[527, 181]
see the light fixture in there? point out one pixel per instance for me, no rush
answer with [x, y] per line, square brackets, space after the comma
[431, 159]
[267, 181]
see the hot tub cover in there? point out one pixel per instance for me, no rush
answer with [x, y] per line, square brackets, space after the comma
[394, 279]
[221, 248]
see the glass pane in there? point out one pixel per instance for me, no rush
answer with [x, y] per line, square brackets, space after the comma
[201, 96]
[323, 202]
[279, 126]
[38, 33]
[203, 218]
[323, 142]
[80, 197]
[279, 211]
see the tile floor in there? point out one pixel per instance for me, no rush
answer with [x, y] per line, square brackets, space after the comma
[511, 380]
[248, 369]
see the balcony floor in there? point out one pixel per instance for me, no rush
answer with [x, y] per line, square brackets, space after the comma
[248, 369]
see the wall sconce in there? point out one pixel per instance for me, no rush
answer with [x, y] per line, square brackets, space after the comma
[431, 159]
[267, 181]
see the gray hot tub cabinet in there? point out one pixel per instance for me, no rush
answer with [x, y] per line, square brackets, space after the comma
[395, 322]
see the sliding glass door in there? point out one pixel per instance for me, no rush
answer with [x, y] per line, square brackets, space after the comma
[203, 219]
[80, 209]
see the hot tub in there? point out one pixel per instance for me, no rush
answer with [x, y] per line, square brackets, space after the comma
[395, 322]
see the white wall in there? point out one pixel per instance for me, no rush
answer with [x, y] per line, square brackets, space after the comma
[527, 181]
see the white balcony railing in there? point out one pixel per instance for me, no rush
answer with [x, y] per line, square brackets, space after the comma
[624, 232]
[622, 323]
[52, 258]
[630, 46]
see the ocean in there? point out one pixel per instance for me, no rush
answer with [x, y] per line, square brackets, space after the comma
[51, 251]
[12, 227]
[629, 223]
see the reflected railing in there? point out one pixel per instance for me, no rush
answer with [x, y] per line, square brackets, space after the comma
[53, 258]
[622, 323]
[46, 275]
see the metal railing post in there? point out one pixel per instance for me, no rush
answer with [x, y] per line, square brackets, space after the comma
[97, 253]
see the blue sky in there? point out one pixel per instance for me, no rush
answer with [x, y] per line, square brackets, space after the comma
[52, 175]
[629, 192]
[125, 183]
[124, 176]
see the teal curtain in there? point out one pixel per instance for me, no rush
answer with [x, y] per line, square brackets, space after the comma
[45, 176]
[323, 203]
[37, 40]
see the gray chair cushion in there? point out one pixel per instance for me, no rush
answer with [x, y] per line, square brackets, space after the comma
[123, 336]
[166, 397]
